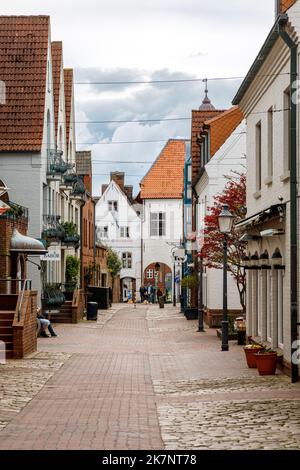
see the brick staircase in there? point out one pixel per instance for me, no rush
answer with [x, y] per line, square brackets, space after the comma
[64, 315]
[7, 312]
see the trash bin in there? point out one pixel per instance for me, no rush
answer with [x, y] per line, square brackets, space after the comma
[161, 302]
[92, 311]
[241, 331]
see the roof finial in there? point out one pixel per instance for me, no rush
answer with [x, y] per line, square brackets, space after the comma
[206, 103]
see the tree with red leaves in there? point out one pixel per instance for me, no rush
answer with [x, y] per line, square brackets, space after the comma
[234, 195]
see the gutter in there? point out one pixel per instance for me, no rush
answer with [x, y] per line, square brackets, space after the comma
[293, 195]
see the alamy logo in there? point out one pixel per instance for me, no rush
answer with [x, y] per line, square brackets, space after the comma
[2, 353]
[2, 92]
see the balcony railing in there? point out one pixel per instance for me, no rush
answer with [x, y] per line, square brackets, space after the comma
[16, 212]
[71, 236]
[78, 190]
[56, 166]
[52, 228]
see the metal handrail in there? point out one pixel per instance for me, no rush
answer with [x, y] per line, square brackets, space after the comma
[22, 297]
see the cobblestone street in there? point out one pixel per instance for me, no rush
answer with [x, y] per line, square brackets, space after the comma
[143, 378]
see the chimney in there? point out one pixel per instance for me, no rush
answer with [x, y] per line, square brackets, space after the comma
[129, 192]
[118, 177]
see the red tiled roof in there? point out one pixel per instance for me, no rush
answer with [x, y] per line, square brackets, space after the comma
[222, 126]
[68, 86]
[56, 52]
[198, 119]
[165, 178]
[286, 4]
[23, 69]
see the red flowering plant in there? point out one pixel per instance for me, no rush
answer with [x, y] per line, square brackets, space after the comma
[234, 195]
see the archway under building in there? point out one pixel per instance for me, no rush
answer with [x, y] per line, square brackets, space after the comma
[128, 289]
[159, 276]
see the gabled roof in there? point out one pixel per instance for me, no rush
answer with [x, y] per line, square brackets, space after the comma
[68, 86]
[222, 126]
[286, 4]
[165, 178]
[56, 52]
[23, 69]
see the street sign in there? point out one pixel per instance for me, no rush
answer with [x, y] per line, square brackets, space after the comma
[52, 255]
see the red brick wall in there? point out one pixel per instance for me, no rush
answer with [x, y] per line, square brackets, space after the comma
[6, 231]
[24, 331]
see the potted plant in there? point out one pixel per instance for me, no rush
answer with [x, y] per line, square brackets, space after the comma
[266, 361]
[250, 351]
[190, 282]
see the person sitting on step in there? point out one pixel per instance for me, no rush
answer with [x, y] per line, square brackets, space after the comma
[44, 325]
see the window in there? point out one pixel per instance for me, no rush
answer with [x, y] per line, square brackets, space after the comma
[280, 307]
[150, 274]
[103, 232]
[287, 126]
[124, 232]
[113, 206]
[258, 157]
[270, 143]
[127, 260]
[158, 224]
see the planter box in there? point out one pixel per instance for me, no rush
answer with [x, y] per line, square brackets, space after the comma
[191, 313]
[213, 318]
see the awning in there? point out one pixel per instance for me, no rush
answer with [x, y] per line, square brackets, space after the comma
[272, 212]
[26, 245]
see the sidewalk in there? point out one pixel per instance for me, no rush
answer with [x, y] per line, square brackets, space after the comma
[144, 378]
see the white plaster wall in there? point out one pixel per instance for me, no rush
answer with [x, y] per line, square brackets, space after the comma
[126, 216]
[230, 158]
[158, 249]
[263, 93]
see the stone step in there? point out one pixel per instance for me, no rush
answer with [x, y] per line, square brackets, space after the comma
[7, 315]
[5, 323]
[6, 337]
[5, 330]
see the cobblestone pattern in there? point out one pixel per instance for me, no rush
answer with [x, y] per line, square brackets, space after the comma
[222, 385]
[21, 380]
[231, 425]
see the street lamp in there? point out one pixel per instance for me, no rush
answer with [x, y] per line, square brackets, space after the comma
[225, 226]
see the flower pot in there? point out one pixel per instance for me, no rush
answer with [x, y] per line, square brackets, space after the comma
[250, 356]
[266, 363]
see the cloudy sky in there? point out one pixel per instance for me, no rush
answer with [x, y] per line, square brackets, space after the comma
[142, 40]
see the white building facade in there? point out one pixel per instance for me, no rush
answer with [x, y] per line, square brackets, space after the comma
[162, 226]
[118, 226]
[227, 163]
[33, 168]
[265, 98]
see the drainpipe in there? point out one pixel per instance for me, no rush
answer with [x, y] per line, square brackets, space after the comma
[293, 196]
[94, 243]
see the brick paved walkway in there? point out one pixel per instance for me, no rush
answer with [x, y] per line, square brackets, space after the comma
[145, 379]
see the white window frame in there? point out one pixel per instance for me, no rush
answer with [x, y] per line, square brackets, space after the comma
[103, 232]
[150, 274]
[124, 232]
[127, 260]
[158, 225]
[112, 206]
